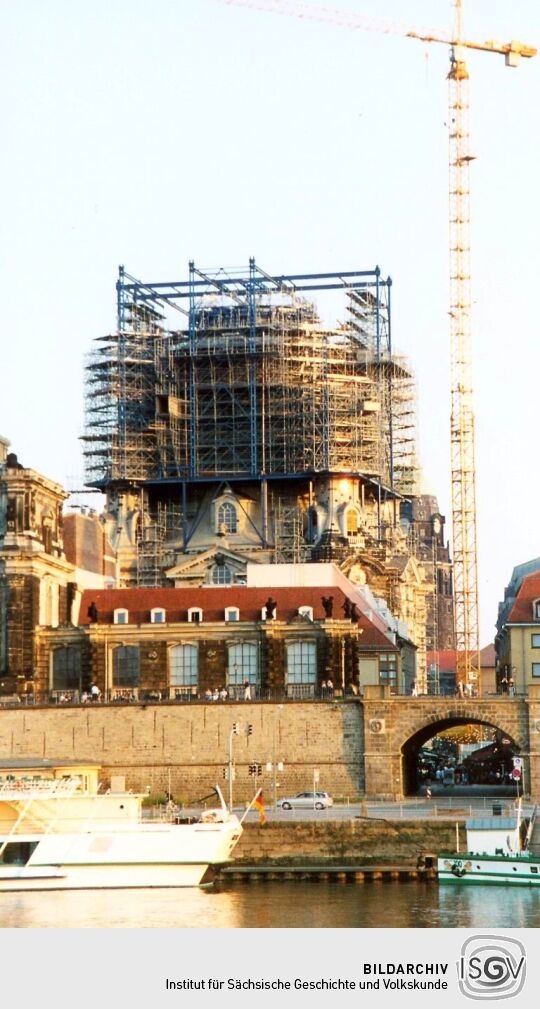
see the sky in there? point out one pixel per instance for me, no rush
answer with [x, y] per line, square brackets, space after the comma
[152, 134]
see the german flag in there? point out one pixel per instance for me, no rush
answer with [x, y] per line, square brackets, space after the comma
[258, 804]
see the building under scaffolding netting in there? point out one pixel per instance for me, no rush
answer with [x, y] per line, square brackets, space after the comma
[254, 384]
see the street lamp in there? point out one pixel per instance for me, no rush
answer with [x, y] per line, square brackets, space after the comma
[235, 729]
[273, 766]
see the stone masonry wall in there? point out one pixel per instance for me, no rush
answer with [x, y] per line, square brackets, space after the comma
[187, 745]
[359, 842]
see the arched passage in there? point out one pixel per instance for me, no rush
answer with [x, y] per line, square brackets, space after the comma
[412, 747]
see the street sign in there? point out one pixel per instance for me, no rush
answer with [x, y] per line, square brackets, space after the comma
[316, 775]
[517, 762]
[516, 773]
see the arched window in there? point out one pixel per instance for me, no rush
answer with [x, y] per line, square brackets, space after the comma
[195, 615]
[221, 575]
[227, 518]
[126, 665]
[157, 615]
[243, 663]
[306, 611]
[66, 668]
[352, 522]
[121, 616]
[184, 666]
[301, 662]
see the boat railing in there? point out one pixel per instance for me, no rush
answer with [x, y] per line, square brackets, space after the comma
[25, 788]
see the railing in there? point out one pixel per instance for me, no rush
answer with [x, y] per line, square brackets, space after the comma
[232, 694]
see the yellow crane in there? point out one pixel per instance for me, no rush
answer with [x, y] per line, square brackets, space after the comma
[462, 436]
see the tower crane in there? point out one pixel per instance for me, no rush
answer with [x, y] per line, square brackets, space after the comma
[462, 435]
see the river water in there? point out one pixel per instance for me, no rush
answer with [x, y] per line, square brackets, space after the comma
[379, 904]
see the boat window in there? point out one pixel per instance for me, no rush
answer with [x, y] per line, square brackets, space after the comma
[534, 868]
[18, 852]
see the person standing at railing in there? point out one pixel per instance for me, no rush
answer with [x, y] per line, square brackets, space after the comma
[95, 692]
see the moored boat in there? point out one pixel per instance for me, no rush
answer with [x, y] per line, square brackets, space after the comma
[54, 834]
[498, 851]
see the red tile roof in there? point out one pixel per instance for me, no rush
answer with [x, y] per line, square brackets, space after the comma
[522, 610]
[213, 601]
[447, 659]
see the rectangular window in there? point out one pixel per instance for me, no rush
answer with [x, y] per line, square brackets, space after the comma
[536, 668]
[302, 662]
[535, 640]
[126, 666]
[158, 617]
[184, 665]
[243, 664]
[388, 670]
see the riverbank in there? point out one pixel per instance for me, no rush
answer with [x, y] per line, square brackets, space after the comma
[344, 842]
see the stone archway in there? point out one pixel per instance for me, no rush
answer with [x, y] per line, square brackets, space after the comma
[394, 725]
[411, 749]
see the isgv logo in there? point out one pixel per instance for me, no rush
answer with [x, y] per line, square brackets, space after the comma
[491, 967]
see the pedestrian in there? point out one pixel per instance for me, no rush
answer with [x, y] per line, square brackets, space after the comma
[329, 687]
[95, 692]
[324, 689]
[511, 688]
[428, 792]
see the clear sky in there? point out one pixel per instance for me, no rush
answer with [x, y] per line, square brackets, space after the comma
[151, 133]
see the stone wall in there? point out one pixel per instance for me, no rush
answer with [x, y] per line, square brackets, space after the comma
[359, 748]
[359, 842]
[186, 746]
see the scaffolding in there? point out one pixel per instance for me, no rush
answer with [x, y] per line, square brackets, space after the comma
[253, 384]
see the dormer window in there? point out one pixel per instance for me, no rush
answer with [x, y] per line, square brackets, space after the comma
[232, 613]
[227, 518]
[306, 611]
[121, 616]
[536, 609]
[158, 616]
[195, 615]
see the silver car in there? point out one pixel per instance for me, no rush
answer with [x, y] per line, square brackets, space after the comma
[307, 800]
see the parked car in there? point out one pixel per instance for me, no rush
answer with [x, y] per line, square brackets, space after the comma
[307, 800]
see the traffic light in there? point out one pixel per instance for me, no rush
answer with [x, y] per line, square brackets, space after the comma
[250, 729]
[226, 773]
[236, 728]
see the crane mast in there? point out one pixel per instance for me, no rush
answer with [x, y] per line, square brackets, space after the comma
[462, 433]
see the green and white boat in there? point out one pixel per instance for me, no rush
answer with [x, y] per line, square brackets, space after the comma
[500, 849]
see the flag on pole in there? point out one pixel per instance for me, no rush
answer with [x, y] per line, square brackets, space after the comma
[258, 804]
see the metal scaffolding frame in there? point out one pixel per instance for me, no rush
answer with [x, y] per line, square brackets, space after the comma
[254, 384]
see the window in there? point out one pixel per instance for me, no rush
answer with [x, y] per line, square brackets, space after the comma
[126, 666]
[184, 665]
[388, 670]
[232, 613]
[120, 616]
[66, 669]
[536, 609]
[302, 662]
[157, 616]
[536, 668]
[243, 663]
[535, 640]
[221, 574]
[195, 615]
[306, 611]
[352, 522]
[227, 519]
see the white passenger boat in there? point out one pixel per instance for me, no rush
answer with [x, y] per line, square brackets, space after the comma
[498, 851]
[55, 835]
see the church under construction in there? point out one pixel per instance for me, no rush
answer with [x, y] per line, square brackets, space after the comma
[226, 423]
